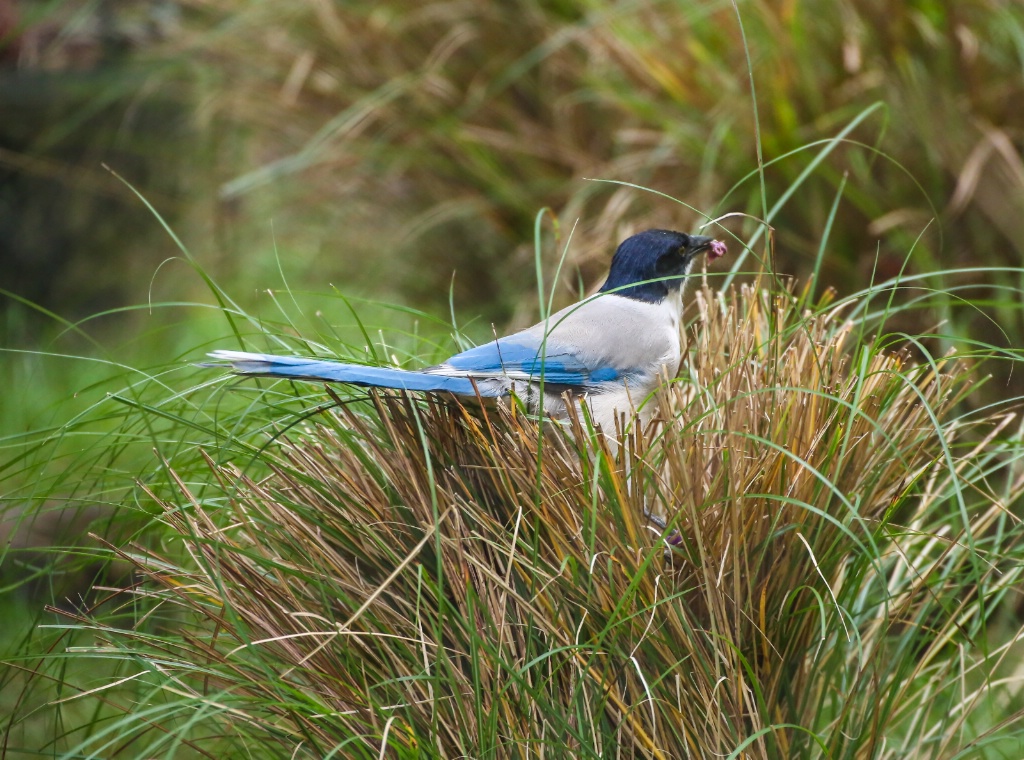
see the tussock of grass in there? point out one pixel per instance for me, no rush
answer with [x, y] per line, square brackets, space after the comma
[451, 581]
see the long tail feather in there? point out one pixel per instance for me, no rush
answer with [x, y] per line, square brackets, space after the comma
[269, 365]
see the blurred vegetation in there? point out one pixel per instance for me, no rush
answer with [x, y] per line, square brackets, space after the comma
[425, 136]
[392, 145]
[401, 151]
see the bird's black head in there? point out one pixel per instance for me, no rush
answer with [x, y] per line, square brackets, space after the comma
[652, 264]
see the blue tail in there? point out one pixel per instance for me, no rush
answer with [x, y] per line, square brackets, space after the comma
[268, 365]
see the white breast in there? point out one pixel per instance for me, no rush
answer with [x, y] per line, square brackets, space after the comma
[614, 331]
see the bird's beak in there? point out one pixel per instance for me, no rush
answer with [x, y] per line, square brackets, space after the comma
[700, 244]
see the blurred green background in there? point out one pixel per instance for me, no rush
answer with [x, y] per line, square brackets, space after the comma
[401, 152]
[385, 147]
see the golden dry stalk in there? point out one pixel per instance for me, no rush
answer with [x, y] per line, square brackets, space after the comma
[430, 575]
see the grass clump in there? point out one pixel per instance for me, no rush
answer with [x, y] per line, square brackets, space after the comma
[431, 579]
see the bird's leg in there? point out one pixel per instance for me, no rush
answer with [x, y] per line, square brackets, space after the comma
[655, 518]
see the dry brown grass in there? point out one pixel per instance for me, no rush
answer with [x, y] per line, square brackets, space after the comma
[435, 579]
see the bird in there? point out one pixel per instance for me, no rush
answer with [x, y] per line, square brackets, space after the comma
[608, 351]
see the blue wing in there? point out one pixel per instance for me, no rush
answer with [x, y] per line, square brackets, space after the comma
[520, 358]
